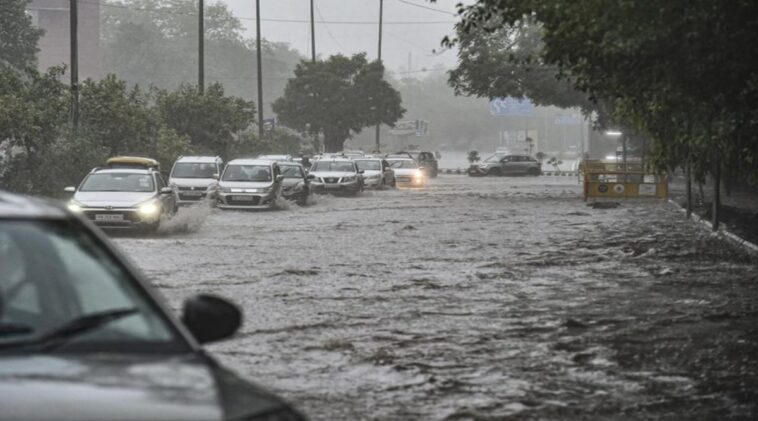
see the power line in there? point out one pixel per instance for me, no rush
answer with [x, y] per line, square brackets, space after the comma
[327, 29]
[421, 6]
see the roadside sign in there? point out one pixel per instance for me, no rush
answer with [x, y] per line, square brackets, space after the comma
[510, 106]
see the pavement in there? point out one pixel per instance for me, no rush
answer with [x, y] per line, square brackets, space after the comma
[475, 298]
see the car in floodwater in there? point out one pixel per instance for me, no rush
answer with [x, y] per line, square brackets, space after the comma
[296, 184]
[193, 175]
[407, 172]
[506, 164]
[129, 193]
[377, 173]
[248, 184]
[336, 175]
[83, 336]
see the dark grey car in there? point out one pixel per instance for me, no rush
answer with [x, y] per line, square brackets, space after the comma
[84, 337]
[500, 164]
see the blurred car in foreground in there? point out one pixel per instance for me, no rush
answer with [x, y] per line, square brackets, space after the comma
[407, 172]
[336, 175]
[192, 175]
[506, 164]
[249, 184]
[376, 172]
[129, 193]
[84, 337]
[296, 184]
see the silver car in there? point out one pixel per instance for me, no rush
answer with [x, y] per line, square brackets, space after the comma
[336, 175]
[193, 175]
[377, 173]
[124, 198]
[506, 164]
[248, 184]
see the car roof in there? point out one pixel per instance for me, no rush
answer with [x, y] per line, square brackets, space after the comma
[18, 206]
[199, 159]
[289, 164]
[121, 170]
[248, 161]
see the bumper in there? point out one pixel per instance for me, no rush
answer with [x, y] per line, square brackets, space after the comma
[294, 194]
[120, 219]
[372, 183]
[352, 187]
[477, 172]
[186, 198]
[245, 201]
[410, 181]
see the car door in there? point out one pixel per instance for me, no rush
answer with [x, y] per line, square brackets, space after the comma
[387, 173]
[510, 165]
[168, 200]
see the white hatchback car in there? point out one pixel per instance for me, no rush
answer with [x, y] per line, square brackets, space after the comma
[249, 184]
[407, 172]
[376, 172]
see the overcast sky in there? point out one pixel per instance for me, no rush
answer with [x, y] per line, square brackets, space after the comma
[408, 30]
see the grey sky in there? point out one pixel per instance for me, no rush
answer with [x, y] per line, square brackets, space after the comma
[399, 40]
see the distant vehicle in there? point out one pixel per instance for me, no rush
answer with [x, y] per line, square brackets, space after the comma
[296, 184]
[407, 172]
[193, 175]
[339, 175]
[376, 172]
[83, 336]
[506, 165]
[428, 163]
[282, 158]
[124, 196]
[249, 184]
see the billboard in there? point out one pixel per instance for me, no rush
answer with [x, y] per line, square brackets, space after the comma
[510, 106]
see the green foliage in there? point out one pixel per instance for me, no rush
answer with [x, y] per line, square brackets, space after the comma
[540, 156]
[473, 156]
[18, 38]
[339, 97]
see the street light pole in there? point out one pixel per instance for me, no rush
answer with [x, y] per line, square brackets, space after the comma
[379, 55]
[316, 143]
[260, 67]
[200, 48]
[74, 35]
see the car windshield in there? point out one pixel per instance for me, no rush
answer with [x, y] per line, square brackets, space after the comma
[53, 273]
[369, 165]
[247, 173]
[333, 166]
[291, 171]
[118, 182]
[405, 163]
[194, 170]
[494, 158]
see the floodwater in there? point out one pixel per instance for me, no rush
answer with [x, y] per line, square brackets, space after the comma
[475, 298]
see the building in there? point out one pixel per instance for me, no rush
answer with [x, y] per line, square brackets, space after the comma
[53, 17]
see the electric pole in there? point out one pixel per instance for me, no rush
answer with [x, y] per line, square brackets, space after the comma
[200, 49]
[378, 125]
[316, 143]
[74, 24]
[260, 68]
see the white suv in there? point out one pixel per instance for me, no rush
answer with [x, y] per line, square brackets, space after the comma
[336, 176]
[192, 175]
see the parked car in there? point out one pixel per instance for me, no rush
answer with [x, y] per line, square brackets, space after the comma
[337, 175]
[129, 193]
[407, 172]
[507, 164]
[376, 173]
[248, 184]
[296, 184]
[193, 175]
[84, 337]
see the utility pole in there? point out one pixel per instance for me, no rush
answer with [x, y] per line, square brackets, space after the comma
[74, 25]
[316, 143]
[381, 12]
[260, 68]
[201, 48]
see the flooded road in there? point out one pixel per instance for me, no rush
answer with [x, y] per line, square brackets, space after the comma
[481, 298]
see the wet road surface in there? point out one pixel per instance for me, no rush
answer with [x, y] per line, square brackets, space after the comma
[483, 298]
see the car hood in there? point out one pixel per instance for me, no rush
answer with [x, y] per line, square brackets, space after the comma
[405, 171]
[290, 182]
[192, 182]
[368, 173]
[246, 184]
[337, 174]
[115, 199]
[106, 387]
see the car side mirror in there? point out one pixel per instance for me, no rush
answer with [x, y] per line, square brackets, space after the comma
[210, 318]
[215, 176]
[310, 177]
[70, 189]
[279, 178]
[167, 190]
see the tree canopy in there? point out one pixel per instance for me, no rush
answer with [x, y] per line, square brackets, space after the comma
[18, 37]
[339, 97]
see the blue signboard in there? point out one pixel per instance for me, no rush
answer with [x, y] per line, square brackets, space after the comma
[510, 106]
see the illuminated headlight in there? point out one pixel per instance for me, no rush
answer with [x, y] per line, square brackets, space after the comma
[348, 179]
[418, 175]
[75, 206]
[149, 209]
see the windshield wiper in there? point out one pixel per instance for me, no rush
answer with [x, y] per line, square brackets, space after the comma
[74, 328]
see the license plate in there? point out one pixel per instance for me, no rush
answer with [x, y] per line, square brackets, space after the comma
[243, 198]
[192, 193]
[109, 217]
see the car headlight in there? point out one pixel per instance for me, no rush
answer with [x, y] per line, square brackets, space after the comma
[418, 174]
[149, 209]
[348, 179]
[75, 206]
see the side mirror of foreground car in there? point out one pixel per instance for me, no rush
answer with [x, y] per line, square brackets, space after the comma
[215, 176]
[310, 177]
[167, 190]
[70, 189]
[279, 178]
[211, 318]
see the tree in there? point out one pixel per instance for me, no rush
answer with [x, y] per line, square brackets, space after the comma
[339, 97]
[473, 156]
[18, 38]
